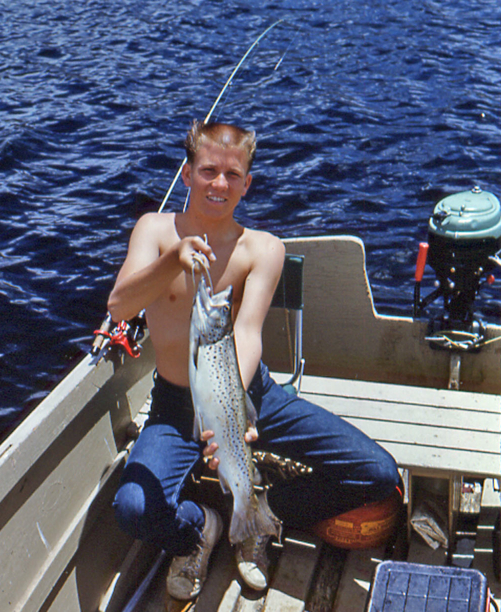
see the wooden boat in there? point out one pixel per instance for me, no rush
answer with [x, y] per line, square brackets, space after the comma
[62, 550]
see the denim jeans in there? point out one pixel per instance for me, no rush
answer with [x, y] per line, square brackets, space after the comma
[349, 469]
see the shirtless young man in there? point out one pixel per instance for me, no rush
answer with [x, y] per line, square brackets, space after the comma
[348, 468]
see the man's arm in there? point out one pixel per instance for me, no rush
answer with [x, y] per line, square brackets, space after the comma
[258, 292]
[150, 267]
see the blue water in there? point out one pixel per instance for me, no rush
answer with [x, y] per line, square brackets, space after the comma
[376, 111]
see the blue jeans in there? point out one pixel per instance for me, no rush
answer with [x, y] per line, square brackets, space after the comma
[349, 469]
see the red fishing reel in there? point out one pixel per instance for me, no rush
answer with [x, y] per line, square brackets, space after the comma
[125, 335]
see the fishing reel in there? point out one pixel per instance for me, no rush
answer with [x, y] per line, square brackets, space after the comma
[126, 335]
[463, 248]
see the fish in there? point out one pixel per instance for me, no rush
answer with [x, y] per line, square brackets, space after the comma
[222, 405]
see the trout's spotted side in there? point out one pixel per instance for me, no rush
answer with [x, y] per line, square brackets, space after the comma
[222, 405]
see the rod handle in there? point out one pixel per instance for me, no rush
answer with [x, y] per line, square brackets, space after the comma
[101, 334]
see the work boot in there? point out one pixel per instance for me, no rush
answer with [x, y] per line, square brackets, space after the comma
[253, 563]
[187, 574]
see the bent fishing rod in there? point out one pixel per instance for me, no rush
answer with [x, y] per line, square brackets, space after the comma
[122, 334]
[216, 102]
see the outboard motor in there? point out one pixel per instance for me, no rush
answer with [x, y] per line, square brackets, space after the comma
[464, 242]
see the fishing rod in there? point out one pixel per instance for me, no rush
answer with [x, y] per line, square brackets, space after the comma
[216, 102]
[124, 329]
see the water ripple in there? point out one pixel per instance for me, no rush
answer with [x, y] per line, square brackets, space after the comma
[376, 111]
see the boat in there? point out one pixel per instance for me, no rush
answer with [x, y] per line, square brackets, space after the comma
[431, 398]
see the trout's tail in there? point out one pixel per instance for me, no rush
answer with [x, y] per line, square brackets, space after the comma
[254, 519]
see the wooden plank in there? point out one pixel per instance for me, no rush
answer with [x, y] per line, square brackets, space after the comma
[426, 435]
[401, 394]
[375, 409]
[443, 461]
[483, 559]
[52, 468]
[68, 597]
[123, 572]
[292, 578]
[436, 448]
[356, 579]
[251, 602]
[431, 436]
[326, 579]
[444, 422]
[222, 572]
[230, 597]
[441, 430]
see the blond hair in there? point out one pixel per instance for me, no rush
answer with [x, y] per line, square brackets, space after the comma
[222, 134]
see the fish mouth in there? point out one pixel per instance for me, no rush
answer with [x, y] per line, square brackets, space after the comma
[220, 300]
[211, 311]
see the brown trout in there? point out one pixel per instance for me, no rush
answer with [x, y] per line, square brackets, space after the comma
[222, 405]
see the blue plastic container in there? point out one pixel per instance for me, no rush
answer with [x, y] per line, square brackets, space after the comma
[412, 587]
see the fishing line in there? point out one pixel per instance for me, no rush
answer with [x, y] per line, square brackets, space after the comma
[201, 261]
[268, 78]
[216, 102]
[277, 65]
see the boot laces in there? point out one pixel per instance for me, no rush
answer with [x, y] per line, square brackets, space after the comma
[254, 549]
[190, 568]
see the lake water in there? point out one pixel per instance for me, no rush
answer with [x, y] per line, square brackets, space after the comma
[375, 111]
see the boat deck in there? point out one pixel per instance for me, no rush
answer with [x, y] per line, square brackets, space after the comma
[437, 437]
[64, 551]
[308, 575]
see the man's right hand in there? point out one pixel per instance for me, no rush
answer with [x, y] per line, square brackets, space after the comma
[191, 246]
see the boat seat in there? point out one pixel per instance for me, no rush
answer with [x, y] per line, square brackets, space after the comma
[289, 297]
[432, 433]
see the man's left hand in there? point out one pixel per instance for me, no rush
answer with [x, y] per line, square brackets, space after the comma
[251, 435]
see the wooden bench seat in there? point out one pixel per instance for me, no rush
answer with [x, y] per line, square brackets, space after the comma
[424, 429]
[435, 433]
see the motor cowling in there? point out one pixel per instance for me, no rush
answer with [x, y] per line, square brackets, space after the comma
[464, 237]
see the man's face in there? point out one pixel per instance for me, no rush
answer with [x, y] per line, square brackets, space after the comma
[218, 178]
